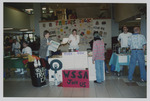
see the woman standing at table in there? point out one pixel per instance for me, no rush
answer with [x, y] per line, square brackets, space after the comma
[74, 40]
[44, 52]
[98, 58]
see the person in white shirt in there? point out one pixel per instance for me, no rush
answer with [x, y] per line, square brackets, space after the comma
[123, 40]
[25, 52]
[74, 40]
[16, 47]
[123, 37]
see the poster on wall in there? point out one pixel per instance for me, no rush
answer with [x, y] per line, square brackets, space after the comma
[85, 28]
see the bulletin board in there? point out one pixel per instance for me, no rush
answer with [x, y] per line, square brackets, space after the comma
[60, 29]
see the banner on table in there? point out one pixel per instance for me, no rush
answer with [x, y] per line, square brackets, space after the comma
[75, 78]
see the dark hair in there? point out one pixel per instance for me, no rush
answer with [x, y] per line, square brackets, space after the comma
[96, 36]
[124, 26]
[74, 30]
[45, 32]
[25, 42]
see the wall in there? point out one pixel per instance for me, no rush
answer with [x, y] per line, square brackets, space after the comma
[60, 29]
[15, 19]
[124, 11]
[31, 17]
[115, 28]
[87, 12]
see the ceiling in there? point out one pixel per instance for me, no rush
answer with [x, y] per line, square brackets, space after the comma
[21, 6]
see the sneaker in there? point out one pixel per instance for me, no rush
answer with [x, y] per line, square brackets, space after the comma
[131, 81]
[107, 72]
[22, 72]
[18, 70]
[97, 82]
[142, 80]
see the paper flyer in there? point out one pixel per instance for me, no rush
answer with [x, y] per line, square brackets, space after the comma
[54, 46]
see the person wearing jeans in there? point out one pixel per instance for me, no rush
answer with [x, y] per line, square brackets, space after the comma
[99, 70]
[137, 43]
[98, 58]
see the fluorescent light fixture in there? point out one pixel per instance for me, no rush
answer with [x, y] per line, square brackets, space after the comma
[51, 11]
[29, 9]
[138, 18]
[23, 29]
[8, 28]
[44, 8]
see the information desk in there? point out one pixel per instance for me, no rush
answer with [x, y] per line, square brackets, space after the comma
[13, 62]
[121, 59]
[74, 61]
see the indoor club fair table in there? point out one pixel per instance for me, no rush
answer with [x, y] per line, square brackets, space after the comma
[73, 61]
[121, 59]
[13, 62]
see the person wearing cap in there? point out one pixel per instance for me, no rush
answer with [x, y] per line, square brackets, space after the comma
[98, 57]
[74, 40]
[137, 44]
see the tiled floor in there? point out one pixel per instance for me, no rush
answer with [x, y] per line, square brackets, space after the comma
[16, 85]
[113, 87]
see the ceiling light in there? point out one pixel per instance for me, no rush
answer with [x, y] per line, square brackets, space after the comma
[23, 29]
[138, 18]
[44, 8]
[8, 28]
[51, 11]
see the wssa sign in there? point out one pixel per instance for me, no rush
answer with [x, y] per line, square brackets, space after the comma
[75, 78]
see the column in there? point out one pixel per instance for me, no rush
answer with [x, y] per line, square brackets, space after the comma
[143, 25]
[37, 18]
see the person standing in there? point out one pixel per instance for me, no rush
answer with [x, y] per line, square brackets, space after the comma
[98, 58]
[74, 40]
[25, 52]
[16, 47]
[123, 41]
[44, 52]
[137, 44]
[123, 37]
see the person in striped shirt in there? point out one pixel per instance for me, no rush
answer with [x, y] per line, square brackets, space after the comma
[98, 57]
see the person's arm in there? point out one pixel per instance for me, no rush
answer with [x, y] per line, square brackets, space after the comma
[44, 44]
[78, 39]
[119, 39]
[18, 45]
[13, 47]
[70, 39]
[94, 52]
[144, 43]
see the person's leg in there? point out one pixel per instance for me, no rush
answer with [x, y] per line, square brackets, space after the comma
[97, 68]
[101, 70]
[132, 64]
[46, 73]
[18, 70]
[22, 71]
[106, 69]
[141, 61]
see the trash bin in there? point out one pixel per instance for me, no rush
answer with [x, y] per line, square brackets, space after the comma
[37, 75]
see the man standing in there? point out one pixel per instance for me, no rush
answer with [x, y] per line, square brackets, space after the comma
[137, 44]
[123, 37]
[123, 40]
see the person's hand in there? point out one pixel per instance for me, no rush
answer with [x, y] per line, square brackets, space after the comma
[70, 41]
[93, 62]
[48, 43]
